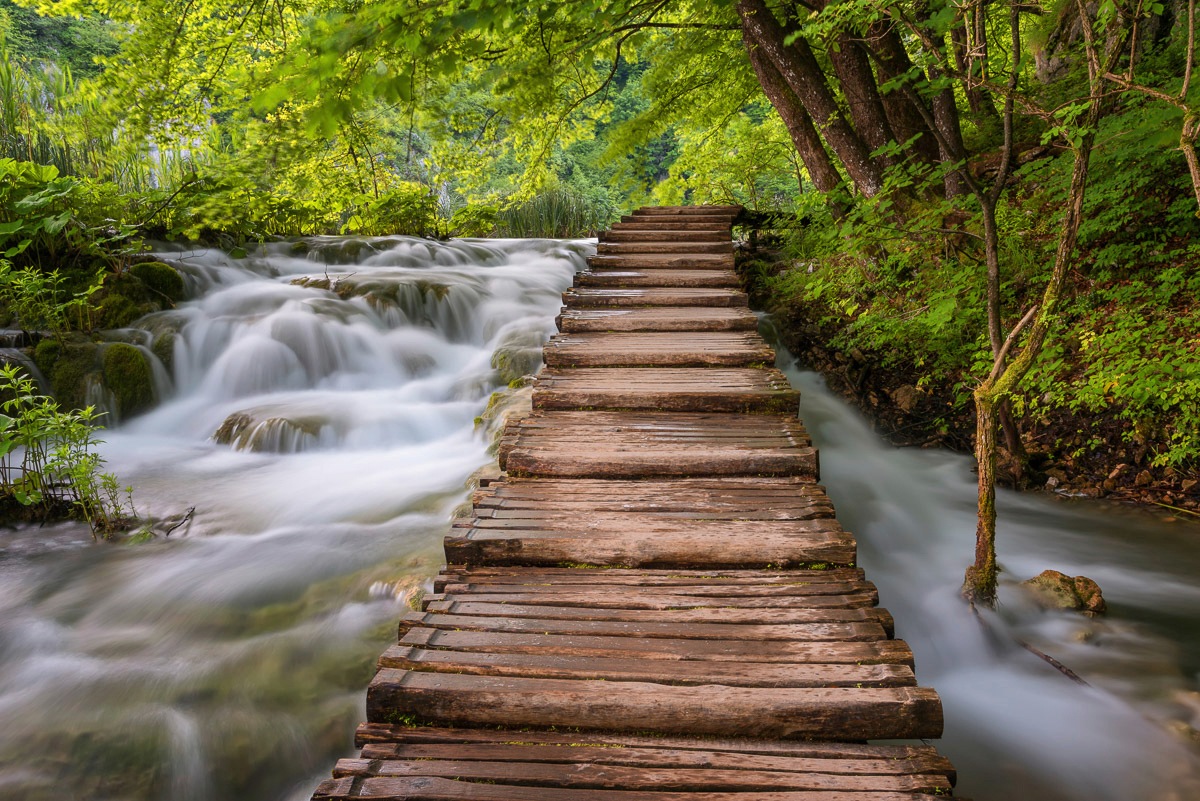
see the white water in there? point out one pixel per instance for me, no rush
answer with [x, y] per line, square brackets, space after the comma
[229, 660]
[1017, 729]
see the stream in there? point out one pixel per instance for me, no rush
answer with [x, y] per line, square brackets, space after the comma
[344, 378]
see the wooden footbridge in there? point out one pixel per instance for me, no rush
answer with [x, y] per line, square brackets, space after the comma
[655, 602]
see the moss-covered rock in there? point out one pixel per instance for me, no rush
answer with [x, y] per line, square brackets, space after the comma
[127, 375]
[116, 311]
[1051, 589]
[164, 348]
[160, 278]
[71, 369]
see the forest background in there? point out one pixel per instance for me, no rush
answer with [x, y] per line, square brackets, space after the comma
[983, 213]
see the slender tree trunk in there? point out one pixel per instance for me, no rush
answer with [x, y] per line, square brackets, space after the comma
[979, 584]
[798, 66]
[978, 99]
[820, 166]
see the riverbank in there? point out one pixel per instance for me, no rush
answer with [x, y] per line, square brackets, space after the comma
[1081, 453]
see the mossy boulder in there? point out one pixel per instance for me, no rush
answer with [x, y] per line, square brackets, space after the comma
[160, 278]
[164, 348]
[72, 369]
[127, 375]
[1051, 589]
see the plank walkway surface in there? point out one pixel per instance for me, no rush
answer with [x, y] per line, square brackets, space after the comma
[655, 601]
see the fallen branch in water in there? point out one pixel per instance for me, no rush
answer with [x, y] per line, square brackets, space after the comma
[185, 519]
[1045, 657]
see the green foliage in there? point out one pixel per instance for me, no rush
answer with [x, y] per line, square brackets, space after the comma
[48, 459]
[557, 212]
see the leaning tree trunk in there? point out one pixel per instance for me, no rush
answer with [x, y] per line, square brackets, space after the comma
[907, 121]
[820, 166]
[798, 66]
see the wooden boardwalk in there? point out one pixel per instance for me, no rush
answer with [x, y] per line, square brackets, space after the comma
[656, 601]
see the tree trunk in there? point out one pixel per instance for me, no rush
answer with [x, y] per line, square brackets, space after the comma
[820, 166]
[857, 81]
[800, 70]
[979, 584]
[978, 99]
[906, 120]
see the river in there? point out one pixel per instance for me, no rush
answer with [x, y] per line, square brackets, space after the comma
[229, 660]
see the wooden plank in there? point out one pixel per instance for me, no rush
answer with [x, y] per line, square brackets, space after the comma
[700, 544]
[689, 673]
[712, 210]
[693, 591]
[662, 756]
[590, 597]
[609, 772]
[662, 261]
[876, 652]
[678, 223]
[369, 733]
[428, 788]
[791, 632]
[657, 318]
[830, 713]
[657, 278]
[634, 445]
[646, 579]
[618, 248]
[738, 497]
[463, 605]
[678, 389]
[664, 236]
[583, 297]
[701, 349]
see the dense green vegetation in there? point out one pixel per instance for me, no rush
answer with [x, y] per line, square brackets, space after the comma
[1000, 200]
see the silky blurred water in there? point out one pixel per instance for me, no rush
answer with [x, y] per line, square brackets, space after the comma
[1016, 728]
[229, 660]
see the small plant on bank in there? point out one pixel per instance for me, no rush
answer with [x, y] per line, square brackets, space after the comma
[48, 462]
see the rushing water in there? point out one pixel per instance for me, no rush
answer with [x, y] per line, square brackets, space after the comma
[228, 660]
[1016, 728]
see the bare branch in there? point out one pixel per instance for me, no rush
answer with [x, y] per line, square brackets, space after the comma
[1010, 340]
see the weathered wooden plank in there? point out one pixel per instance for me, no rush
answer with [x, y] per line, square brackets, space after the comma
[645, 756]
[672, 224]
[427, 788]
[618, 248]
[739, 497]
[590, 597]
[583, 297]
[876, 652]
[792, 632]
[657, 318]
[645, 579]
[664, 236]
[661, 261]
[657, 278]
[702, 544]
[830, 713]
[701, 349]
[679, 389]
[685, 672]
[612, 774]
[462, 605]
[373, 733]
[711, 210]
[634, 445]
[800, 587]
